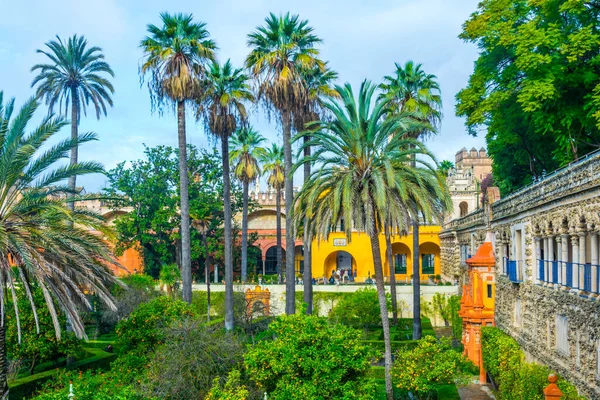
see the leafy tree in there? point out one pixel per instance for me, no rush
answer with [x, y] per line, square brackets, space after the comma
[33, 216]
[272, 160]
[76, 75]
[413, 91]
[455, 319]
[420, 370]
[311, 359]
[36, 346]
[245, 155]
[222, 107]
[441, 307]
[282, 50]
[232, 390]
[366, 178]
[358, 309]
[535, 88]
[445, 167]
[175, 56]
[169, 276]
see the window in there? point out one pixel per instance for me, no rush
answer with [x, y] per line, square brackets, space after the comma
[562, 334]
[400, 263]
[428, 264]
[489, 290]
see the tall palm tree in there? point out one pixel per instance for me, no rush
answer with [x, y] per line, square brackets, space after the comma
[75, 77]
[319, 86]
[281, 50]
[175, 56]
[365, 177]
[221, 105]
[43, 243]
[244, 155]
[272, 160]
[412, 90]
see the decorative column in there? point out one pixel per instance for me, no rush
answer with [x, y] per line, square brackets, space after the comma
[547, 266]
[216, 273]
[550, 255]
[264, 262]
[565, 257]
[575, 252]
[594, 261]
[538, 256]
[581, 266]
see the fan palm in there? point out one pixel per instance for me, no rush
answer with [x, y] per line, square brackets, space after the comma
[319, 86]
[366, 178]
[75, 77]
[281, 50]
[175, 56]
[42, 242]
[412, 90]
[221, 106]
[244, 155]
[273, 166]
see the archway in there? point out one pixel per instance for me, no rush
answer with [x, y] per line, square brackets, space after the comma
[429, 254]
[339, 261]
[401, 260]
[464, 208]
[299, 259]
[271, 261]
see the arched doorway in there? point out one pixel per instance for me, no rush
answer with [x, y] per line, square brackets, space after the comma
[401, 260]
[339, 261]
[429, 253]
[464, 208]
[271, 261]
[299, 259]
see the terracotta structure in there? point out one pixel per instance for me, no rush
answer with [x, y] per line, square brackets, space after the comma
[477, 302]
[258, 300]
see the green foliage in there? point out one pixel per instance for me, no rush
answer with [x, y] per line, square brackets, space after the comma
[143, 330]
[515, 378]
[455, 319]
[169, 276]
[535, 85]
[310, 359]
[423, 369]
[232, 390]
[441, 307]
[36, 347]
[358, 309]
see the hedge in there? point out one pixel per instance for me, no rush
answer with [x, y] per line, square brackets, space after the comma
[513, 377]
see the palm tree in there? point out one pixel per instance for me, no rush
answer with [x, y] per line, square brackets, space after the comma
[244, 155]
[221, 106]
[281, 50]
[365, 177]
[175, 56]
[319, 86]
[445, 167]
[272, 160]
[74, 78]
[43, 243]
[412, 90]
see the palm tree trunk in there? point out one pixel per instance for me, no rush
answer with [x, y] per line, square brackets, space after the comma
[416, 281]
[290, 273]
[278, 233]
[245, 231]
[307, 277]
[74, 136]
[385, 321]
[227, 234]
[186, 263]
[206, 272]
[3, 365]
[390, 259]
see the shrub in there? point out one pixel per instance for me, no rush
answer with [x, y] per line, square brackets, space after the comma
[310, 359]
[423, 369]
[143, 330]
[358, 309]
[455, 319]
[514, 378]
[233, 389]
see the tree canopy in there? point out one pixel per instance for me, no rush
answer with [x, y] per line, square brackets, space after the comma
[536, 84]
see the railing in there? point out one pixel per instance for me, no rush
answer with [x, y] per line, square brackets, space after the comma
[585, 277]
[514, 269]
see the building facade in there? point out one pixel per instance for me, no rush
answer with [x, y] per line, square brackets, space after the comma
[546, 245]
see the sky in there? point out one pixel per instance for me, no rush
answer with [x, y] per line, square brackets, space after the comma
[361, 40]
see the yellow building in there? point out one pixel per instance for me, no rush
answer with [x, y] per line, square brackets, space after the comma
[355, 255]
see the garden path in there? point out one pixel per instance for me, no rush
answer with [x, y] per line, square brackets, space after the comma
[475, 392]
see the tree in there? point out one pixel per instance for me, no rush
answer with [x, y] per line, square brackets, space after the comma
[33, 216]
[169, 276]
[311, 359]
[535, 87]
[412, 90]
[366, 178]
[272, 161]
[76, 76]
[319, 86]
[281, 50]
[222, 107]
[445, 167]
[441, 307]
[175, 56]
[245, 155]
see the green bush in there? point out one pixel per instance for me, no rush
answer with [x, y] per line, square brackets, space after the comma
[310, 359]
[455, 319]
[358, 309]
[514, 378]
[143, 329]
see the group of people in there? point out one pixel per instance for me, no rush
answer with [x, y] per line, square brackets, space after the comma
[337, 277]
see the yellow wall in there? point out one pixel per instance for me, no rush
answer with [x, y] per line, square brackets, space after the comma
[324, 253]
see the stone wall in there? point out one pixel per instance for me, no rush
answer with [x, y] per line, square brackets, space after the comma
[556, 220]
